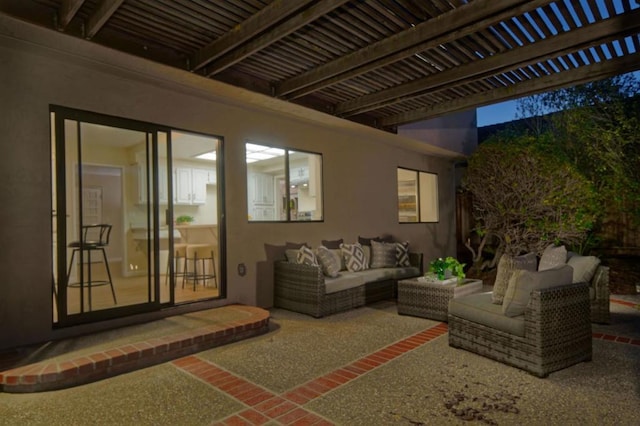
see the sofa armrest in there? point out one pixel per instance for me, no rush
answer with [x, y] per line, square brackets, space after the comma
[416, 260]
[295, 280]
[558, 314]
[600, 283]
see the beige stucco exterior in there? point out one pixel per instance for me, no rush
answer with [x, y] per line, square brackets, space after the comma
[42, 68]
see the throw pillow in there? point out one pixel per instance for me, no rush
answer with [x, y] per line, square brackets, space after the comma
[383, 255]
[291, 255]
[353, 257]
[329, 261]
[552, 256]
[522, 283]
[306, 256]
[402, 254]
[506, 266]
[584, 267]
[367, 256]
[367, 241]
[332, 244]
[338, 253]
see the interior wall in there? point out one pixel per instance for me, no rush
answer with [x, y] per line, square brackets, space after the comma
[359, 166]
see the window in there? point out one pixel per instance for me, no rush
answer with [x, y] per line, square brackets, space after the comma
[417, 196]
[283, 185]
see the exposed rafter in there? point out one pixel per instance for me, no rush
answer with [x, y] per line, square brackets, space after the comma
[403, 44]
[266, 18]
[542, 84]
[105, 9]
[68, 10]
[581, 38]
[373, 61]
[282, 30]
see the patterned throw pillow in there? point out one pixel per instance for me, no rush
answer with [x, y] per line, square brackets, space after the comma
[552, 256]
[329, 261]
[383, 255]
[306, 256]
[506, 266]
[353, 257]
[402, 254]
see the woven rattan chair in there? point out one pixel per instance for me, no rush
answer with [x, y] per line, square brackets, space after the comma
[557, 332]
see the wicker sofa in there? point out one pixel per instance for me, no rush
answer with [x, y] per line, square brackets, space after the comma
[305, 289]
[554, 331]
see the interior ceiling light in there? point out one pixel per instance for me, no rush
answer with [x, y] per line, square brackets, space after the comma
[261, 152]
[211, 156]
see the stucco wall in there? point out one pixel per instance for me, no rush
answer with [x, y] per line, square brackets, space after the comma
[41, 67]
[457, 132]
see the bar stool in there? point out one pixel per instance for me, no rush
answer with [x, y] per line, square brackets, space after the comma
[198, 256]
[94, 238]
[179, 263]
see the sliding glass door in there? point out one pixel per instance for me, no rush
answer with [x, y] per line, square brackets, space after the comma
[115, 193]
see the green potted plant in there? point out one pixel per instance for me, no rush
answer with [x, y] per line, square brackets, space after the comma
[184, 219]
[443, 268]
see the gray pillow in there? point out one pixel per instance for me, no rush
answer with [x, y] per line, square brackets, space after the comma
[506, 266]
[332, 244]
[522, 283]
[584, 267]
[329, 261]
[552, 256]
[383, 255]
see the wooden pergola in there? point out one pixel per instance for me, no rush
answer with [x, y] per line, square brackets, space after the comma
[383, 63]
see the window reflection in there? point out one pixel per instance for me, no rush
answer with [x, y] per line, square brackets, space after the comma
[417, 196]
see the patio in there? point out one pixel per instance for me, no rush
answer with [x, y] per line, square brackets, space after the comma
[366, 366]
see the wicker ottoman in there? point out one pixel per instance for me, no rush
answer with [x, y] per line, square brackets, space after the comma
[419, 298]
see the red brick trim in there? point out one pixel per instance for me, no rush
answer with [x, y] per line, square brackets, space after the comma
[44, 376]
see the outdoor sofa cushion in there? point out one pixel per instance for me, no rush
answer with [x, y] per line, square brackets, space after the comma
[506, 266]
[522, 283]
[479, 308]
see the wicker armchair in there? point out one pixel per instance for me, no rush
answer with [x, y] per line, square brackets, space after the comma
[557, 332]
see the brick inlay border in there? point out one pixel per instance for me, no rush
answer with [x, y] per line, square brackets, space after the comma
[287, 409]
[619, 339]
[45, 375]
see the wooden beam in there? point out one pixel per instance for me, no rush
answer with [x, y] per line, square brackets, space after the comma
[448, 26]
[549, 48]
[285, 28]
[586, 74]
[68, 10]
[265, 18]
[100, 16]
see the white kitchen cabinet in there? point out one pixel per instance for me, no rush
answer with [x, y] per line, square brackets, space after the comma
[263, 189]
[191, 185]
[163, 193]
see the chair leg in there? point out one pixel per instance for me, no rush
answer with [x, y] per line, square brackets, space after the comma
[106, 263]
[213, 266]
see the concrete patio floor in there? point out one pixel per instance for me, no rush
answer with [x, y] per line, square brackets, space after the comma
[368, 366]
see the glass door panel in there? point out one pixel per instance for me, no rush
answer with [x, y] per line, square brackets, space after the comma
[192, 219]
[135, 217]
